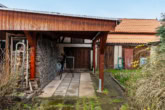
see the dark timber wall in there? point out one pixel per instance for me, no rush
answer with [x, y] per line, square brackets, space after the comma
[109, 57]
[81, 55]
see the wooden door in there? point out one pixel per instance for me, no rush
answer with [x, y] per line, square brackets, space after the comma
[128, 53]
[81, 55]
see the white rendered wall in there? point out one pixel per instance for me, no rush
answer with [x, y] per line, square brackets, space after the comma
[117, 54]
[67, 40]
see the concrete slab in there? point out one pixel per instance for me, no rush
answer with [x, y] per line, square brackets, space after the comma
[86, 89]
[69, 75]
[59, 94]
[62, 88]
[66, 80]
[61, 91]
[49, 90]
[73, 90]
[64, 84]
[76, 75]
[80, 85]
[85, 77]
[58, 77]
[75, 81]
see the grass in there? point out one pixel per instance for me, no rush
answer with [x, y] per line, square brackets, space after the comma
[123, 75]
[56, 103]
[124, 107]
[116, 101]
[105, 91]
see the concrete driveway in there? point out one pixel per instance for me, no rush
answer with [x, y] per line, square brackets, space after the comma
[80, 85]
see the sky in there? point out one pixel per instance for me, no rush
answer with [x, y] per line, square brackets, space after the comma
[142, 9]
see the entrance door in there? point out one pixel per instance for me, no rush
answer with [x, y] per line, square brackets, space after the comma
[128, 53]
[81, 56]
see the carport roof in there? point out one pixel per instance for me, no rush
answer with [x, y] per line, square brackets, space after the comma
[25, 20]
[56, 13]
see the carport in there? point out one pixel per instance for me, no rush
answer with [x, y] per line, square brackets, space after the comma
[55, 25]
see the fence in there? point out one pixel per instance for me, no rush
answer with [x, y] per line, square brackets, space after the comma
[11, 64]
[2, 61]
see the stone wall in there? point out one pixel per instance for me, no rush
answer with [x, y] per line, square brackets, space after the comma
[46, 60]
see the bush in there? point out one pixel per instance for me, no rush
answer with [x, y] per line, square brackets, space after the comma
[8, 83]
[148, 90]
[161, 33]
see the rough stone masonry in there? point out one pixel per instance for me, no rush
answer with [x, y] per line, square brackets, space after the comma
[46, 60]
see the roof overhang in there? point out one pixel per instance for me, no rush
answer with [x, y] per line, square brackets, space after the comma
[23, 20]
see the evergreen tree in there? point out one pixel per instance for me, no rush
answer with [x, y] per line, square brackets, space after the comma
[163, 16]
[161, 33]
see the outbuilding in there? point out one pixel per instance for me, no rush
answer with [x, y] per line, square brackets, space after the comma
[130, 37]
[36, 34]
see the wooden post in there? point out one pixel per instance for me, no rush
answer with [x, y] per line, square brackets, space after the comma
[33, 44]
[94, 56]
[101, 61]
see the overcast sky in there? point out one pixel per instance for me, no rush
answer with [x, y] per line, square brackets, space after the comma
[104, 8]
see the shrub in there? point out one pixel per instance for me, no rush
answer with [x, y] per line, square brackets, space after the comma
[8, 83]
[161, 33]
[148, 90]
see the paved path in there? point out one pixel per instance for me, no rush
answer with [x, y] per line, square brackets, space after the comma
[80, 85]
